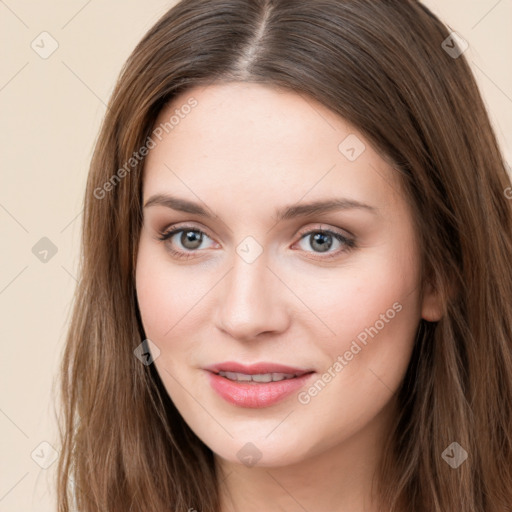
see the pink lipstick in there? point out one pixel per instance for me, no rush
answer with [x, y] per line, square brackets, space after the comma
[257, 385]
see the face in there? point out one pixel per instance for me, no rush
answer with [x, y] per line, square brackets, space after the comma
[282, 329]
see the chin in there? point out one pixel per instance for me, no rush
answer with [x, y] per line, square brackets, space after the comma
[262, 449]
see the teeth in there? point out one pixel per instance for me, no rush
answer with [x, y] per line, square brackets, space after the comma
[260, 377]
[264, 377]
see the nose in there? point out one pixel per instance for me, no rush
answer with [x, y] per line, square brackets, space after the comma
[252, 301]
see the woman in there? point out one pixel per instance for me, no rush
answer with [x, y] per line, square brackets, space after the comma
[217, 359]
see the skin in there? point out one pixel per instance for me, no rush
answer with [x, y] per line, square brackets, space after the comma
[244, 151]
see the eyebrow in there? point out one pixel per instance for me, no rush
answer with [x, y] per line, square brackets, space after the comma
[286, 213]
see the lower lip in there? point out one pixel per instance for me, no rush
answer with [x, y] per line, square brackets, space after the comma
[256, 394]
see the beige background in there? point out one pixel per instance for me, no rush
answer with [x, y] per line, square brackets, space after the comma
[51, 112]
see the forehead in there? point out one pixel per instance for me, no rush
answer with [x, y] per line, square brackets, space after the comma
[256, 142]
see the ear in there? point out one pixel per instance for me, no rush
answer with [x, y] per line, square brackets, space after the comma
[432, 305]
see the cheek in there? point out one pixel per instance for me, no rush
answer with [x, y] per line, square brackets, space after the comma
[363, 306]
[172, 303]
[375, 313]
[377, 285]
[375, 319]
[157, 292]
[156, 301]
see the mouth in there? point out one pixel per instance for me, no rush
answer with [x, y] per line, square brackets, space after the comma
[258, 385]
[258, 377]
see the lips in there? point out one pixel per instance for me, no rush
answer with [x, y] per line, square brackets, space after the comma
[253, 369]
[256, 385]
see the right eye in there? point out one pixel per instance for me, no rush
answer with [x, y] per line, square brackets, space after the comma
[190, 238]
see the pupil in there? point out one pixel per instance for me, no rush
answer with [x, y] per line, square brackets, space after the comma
[320, 238]
[192, 237]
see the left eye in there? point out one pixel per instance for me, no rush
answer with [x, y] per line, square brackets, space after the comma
[322, 241]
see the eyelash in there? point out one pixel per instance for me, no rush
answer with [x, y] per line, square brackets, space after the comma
[349, 243]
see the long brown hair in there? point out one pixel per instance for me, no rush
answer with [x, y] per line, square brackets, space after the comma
[383, 66]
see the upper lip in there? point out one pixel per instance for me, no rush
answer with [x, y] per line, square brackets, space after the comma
[255, 369]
